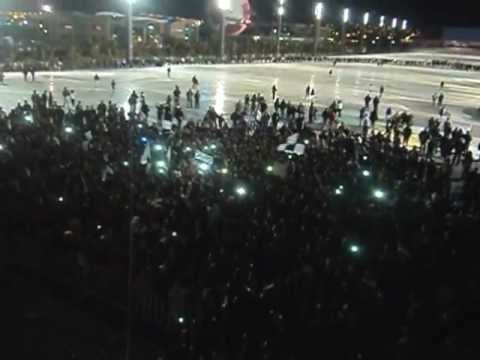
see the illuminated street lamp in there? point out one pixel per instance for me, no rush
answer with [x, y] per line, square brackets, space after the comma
[224, 6]
[366, 18]
[130, 29]
[280, 13]
[318, 17]
[394, 23]
[382, 21]
[404, 25]
[346, 15]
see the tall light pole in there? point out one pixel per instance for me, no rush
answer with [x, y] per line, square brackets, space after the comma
[345, 19]
[224, 6]
[366, 19]
[318, 23]
[130, 30]
[280, 13]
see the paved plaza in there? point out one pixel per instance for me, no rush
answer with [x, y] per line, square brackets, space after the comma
[406, 88]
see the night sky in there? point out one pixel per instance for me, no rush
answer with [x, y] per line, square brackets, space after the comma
[420, 12]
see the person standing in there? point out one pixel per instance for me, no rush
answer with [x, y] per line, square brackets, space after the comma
[376, 103]
[339, 108]
[382, 90]
[307, 91]
[368, 99]
[190, 98]
[274, 91]
[96, 78]
[197, 99]
[113, 84]
[169, 72]
[440, 99]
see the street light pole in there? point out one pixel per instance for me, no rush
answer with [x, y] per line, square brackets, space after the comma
[222, 43]
[366, 19]
[280, 13]
[130, 30]
[318, 23]
[345, 18]
[224, 6]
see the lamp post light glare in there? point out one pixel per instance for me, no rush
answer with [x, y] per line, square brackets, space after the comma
[366, 18]
[224, 5]
[269, 169]
[319, 11]
[382, 21]
[346, 15]
[366, 173]
[394, 23]
[404, 25]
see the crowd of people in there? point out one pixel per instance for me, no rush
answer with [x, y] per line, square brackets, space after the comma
[358, 247]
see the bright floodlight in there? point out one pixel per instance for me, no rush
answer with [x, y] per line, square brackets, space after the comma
[404, 24]
[281, 2]
[1, 147]
[69, 130]
[382, 21]
[269, 168]
[224, 5]
[158, 147]
[366, 18]
[281, 10]
[366, 173]
[379, 194]
[241, 191]
[47, 8]
[354, 249]
[394, 23]
[181, 320]
[346, 15]
[161, 164]
[319, 11]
